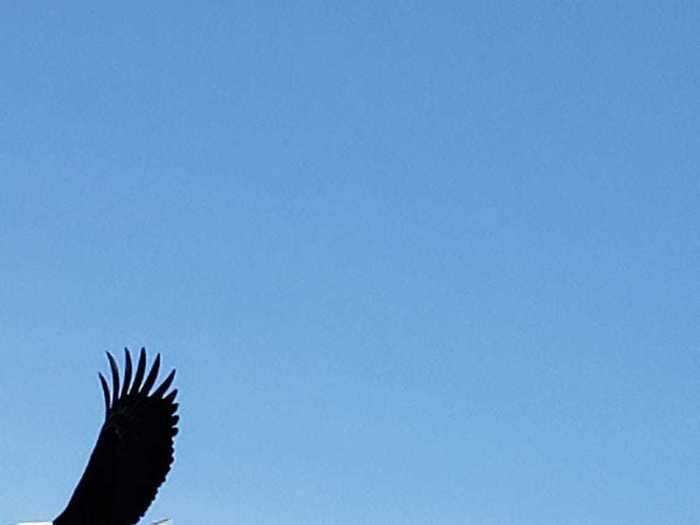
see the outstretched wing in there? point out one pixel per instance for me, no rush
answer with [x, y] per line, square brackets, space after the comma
[134, 450]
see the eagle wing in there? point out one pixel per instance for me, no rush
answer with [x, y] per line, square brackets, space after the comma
[134, 449]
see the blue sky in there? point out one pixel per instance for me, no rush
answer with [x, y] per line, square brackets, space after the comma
[415, 262]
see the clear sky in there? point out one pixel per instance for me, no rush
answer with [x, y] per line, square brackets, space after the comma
[415, 262]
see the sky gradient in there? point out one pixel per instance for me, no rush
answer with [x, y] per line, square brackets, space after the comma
[415, 263]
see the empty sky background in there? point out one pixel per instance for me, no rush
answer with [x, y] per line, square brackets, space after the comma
[415, 262]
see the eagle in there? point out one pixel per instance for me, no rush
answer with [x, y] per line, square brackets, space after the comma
[134, 450]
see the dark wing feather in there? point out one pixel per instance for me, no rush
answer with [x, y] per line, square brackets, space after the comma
[133, 454]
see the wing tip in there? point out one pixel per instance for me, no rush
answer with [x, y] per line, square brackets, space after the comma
[129, 388]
